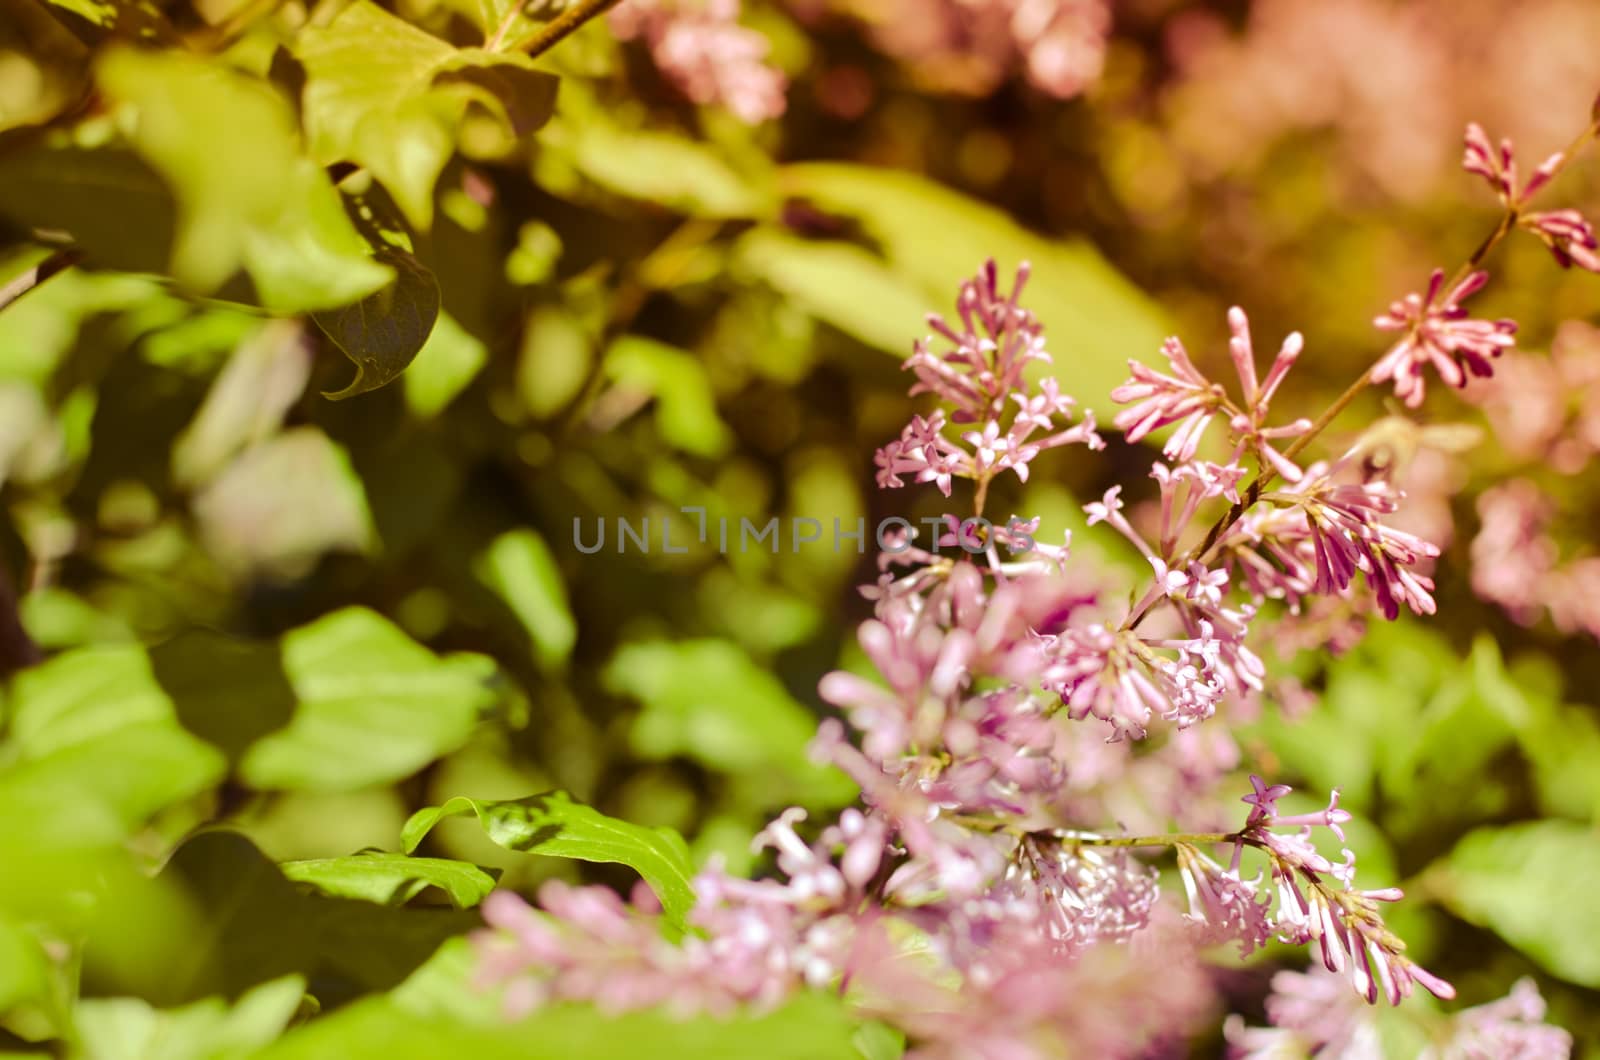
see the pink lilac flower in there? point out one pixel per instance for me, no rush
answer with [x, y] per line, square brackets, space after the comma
[1569, 236]
[699, 46]
[1223, 907]
[1345, 922]
[1189, 399]
[1566, 232]
[980, 377]
[1439, 332]
[1498, 166]
[1325, 532]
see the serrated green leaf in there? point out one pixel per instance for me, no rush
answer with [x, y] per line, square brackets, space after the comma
[1532, 884]
[372, 706]
[554, 825]
[1095, 319]
[391, 879]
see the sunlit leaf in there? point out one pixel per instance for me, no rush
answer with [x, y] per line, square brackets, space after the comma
[132, 1029]
[280, 505]
[554, 825]
[388, 96]
[709, 701]
[1532, 884]
[686, 407]
[651, 166]
[265, 375]
[1094, 317]
[520, 567]
[391, 879]
[372, 705]
[228, 146]
[446, 365]
[844, 285]
[96, 749]
[812, 1026]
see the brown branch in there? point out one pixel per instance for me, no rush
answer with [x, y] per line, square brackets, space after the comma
[552, 32]
[33, 277]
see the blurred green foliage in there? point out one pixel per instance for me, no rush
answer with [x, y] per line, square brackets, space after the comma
[293, 647]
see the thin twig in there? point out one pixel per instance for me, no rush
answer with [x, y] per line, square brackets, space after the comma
[552, 32]
[33, 277]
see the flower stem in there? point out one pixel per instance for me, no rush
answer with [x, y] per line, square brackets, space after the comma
[1173, 839]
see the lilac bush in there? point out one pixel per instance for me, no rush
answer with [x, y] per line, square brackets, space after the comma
[976, 900]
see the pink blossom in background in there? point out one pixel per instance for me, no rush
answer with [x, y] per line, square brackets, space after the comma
[1311, 1013]
[972, 46]
[699, 46]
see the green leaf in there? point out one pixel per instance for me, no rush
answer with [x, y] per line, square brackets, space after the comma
[228, 146]
[521, 569]
[281, 505]
[132, 1029]
[446, 365]
[383, 332]
[126, 18]
[95, 749]
[372, 706]
[552, 824]
[255, 925]
[656, 167]
[264, 376]
[709, 701]
[391, 879]
[383, 94]
[1095, 318]
[813, 1026]
[24, 968]
[1533, 885]
[686, 406]
[844, 285]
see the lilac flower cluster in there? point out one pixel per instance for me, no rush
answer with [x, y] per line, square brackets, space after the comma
[963, 901]
[1566, 232]
[972, 773]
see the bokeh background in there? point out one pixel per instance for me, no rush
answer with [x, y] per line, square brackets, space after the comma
[274, 625]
